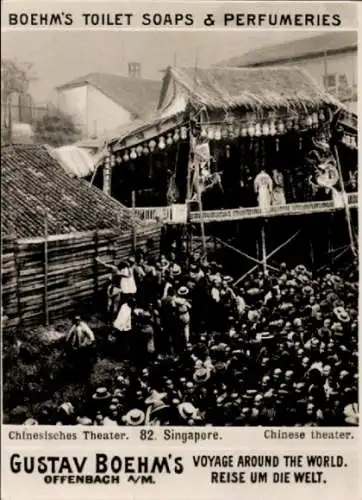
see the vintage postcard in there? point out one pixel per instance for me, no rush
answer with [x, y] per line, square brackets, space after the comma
[179, 250]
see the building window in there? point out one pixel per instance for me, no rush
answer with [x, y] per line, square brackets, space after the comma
[330, 82]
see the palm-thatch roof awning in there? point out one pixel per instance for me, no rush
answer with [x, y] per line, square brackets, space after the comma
[251, 89]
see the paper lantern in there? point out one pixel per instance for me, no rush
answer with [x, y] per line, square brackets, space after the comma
[183, 133]
[322, 116]
[162, 143]
[281, 127]
[258, 130]
[169, 140]
[133, 154]
[145, 151]
[236, 132]
[353, 143]
[348, 140]
[126, 156]
[315, 119]
[265, 129]
[152, 145]
[296, 125]
[309, 121]
[107, 159]
[251, 130]
[244, 131]
[113, 160]
[176, 135]
[217, 134]
[210, 133]
[227, 151]
[272, 129]
[139, 150]
[118, 159]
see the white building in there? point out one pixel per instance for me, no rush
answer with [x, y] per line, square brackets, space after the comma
[99, 102]
[331, 59]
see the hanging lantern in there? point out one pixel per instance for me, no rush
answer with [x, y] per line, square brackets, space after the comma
[265, 129]
[300, 143]
[237, 131]
[169, 140]
[302, 122]
[203, 132]
[126, 156]
[251, 130]
[244, 130]
[258, 130]
[296, 125]
[162, 143]
[113, 160]
[133, 154]
[145, 150]
[118, 159]
[315, 119]
[281, 127]
[210, 133]
[152, 145]
[176, 135]
[277, 144]
[348, 140]
[322, 116]
[139, 150]
[227, 151]
[309, 121]
[272, 129]
[217, 133]
[183, 133]
[354, 142]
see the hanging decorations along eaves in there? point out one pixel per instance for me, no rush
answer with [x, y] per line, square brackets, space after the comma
[251, 127]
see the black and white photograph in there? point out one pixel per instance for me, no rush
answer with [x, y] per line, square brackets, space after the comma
[179, 228]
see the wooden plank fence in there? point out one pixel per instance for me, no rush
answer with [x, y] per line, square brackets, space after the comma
[33, 289]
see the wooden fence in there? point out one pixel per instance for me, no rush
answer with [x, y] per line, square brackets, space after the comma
[43, 278]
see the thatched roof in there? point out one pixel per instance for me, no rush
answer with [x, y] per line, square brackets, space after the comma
[253, 88]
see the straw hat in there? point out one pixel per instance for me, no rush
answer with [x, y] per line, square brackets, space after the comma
[342, 314]
[201, 375]
[183, 291]
[101, 394]
[134, 417]
[187, 410]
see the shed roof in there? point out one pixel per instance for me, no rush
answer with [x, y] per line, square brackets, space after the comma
[33, 182]
[136, 95]
[294, 50]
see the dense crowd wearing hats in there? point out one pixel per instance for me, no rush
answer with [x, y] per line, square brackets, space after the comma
[196, 349]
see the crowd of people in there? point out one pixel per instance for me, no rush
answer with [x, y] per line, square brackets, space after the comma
[196, 349]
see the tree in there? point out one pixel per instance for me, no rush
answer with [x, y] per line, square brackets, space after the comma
[56, 129]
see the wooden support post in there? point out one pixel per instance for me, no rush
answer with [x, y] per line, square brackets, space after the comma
[96, 279]
[46, 265]
[345, 202]
[134, 230]
[263, 248]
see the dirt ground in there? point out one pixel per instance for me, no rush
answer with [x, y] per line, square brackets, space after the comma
[37, 370]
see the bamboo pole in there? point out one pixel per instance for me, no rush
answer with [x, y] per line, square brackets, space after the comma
[134, 232]
[263, 247]
[46, 265]
[345, 203]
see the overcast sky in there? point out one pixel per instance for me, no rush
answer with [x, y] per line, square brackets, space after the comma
[57, 57]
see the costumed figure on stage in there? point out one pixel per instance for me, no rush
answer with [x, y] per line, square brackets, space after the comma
[278, 197]
[325, 175]
[203, 178]
[263, 186]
